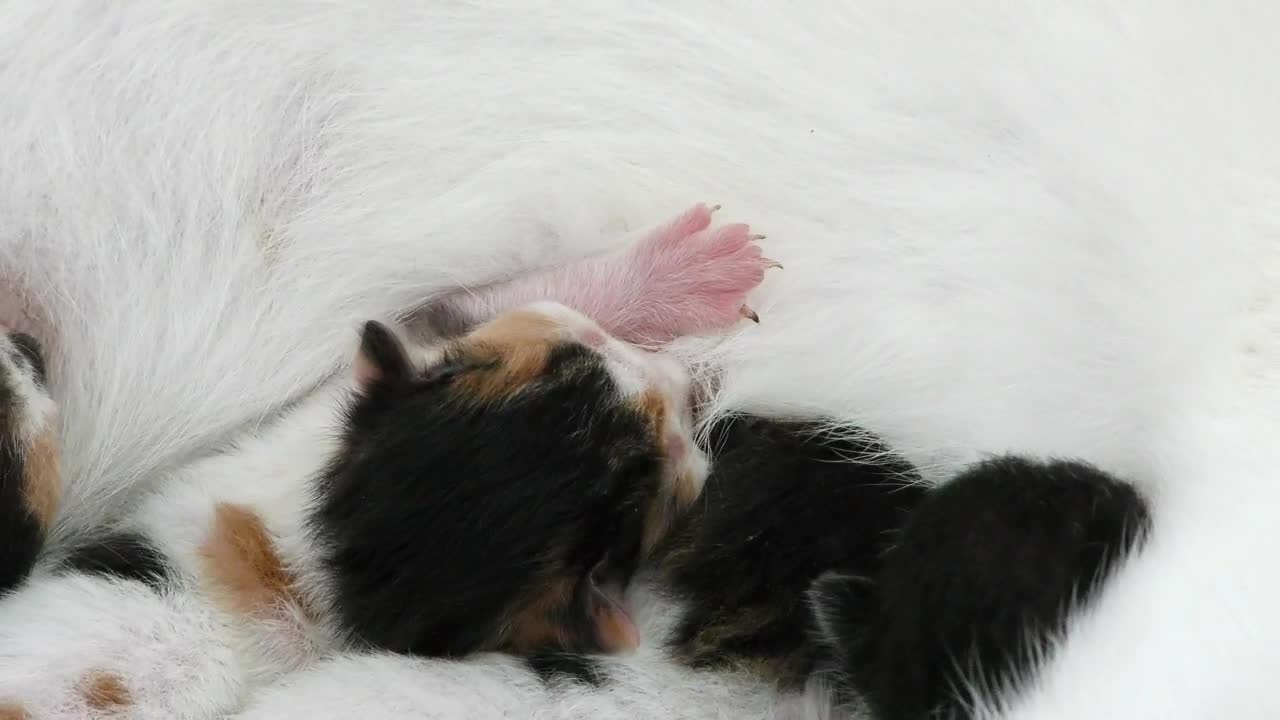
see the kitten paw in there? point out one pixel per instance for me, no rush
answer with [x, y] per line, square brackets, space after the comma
[695, 277]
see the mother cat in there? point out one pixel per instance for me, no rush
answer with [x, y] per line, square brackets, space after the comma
[1043, 228]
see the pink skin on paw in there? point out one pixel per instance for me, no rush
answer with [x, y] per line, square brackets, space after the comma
[692, 278]
[684, 278]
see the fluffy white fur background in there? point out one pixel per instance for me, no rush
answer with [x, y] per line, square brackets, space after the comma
[1048, 227]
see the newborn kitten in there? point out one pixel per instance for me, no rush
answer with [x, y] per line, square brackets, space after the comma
[976, 587]
[813, 561]
[493, 491]
[496, 492]
[784, 503]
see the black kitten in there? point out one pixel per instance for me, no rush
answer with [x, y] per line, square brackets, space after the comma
[783, 504]
[987, 566]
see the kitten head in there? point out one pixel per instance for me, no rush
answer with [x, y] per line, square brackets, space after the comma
[497, 491]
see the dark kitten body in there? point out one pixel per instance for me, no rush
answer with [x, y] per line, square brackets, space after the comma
[812, 557]
[784, 503]
[987, 566]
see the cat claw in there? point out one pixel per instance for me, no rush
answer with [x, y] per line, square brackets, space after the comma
[770, 263]
[713, 208]
[756, 236]
[749, 314]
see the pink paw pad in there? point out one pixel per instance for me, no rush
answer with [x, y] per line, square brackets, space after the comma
[696, 277]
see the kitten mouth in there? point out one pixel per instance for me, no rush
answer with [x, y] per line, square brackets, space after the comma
[615, 631]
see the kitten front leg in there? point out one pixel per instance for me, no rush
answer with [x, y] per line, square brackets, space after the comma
[684, 277]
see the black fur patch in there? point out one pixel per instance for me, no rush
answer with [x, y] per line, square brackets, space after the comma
[986, 565]
[442, 515]
[22, 534]
[783, 504]
[555, 668]
[124, 555]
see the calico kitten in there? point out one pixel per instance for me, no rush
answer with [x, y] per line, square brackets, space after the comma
[498, 493]
[493, 491]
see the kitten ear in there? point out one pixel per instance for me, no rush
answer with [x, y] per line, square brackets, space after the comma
[381, 358]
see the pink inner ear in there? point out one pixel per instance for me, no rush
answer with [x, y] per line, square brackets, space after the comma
[366, 371]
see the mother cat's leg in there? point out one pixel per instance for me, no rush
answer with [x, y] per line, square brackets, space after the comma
[683, 277]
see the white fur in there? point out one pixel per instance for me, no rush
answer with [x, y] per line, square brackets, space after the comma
[181, 654]
[1045, 227]
[169, 652]
[495, 687]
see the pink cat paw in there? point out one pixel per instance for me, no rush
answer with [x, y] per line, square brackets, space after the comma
[695, 278]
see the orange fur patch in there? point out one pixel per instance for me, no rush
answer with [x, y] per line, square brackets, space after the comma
[679, 483]
[511, 352]
[105, 692]
[13, 711]
[684, 488]
[43, 478]
[537, 624]
[241, 561]
[653, 407]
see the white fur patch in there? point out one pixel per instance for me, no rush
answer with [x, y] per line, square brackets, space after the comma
[1043, 227]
